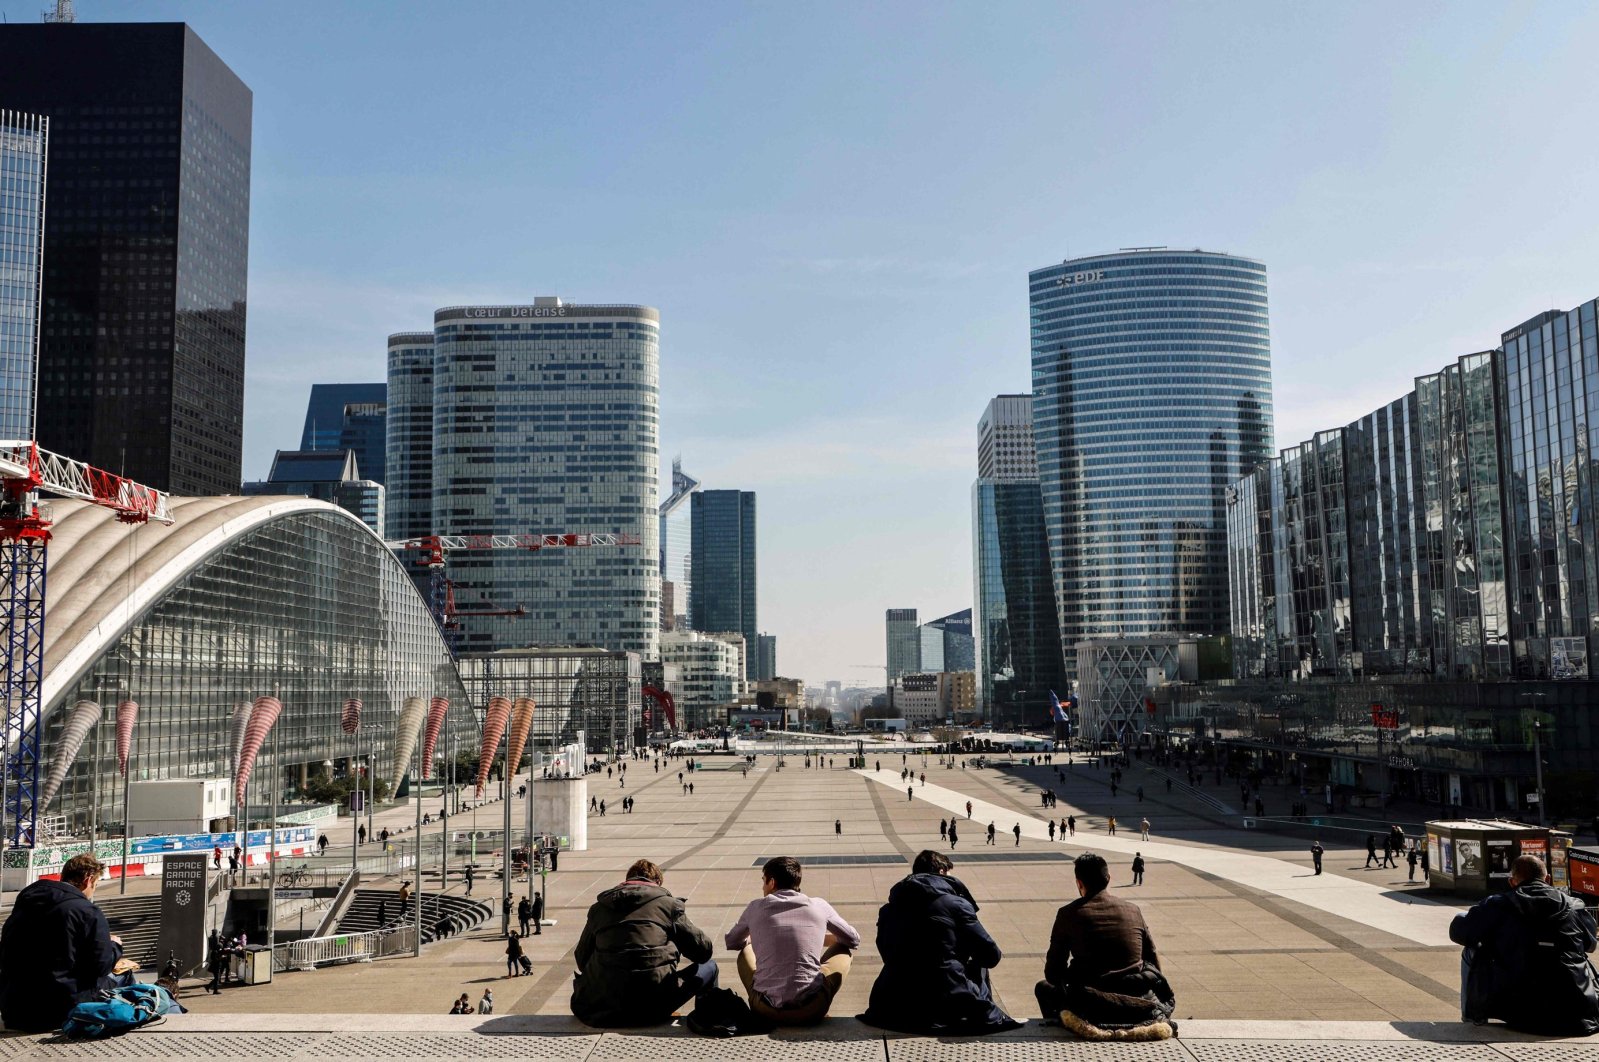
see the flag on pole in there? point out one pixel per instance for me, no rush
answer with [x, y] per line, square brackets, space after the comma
[1056, 712]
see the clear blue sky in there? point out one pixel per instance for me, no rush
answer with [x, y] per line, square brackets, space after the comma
[835, 208]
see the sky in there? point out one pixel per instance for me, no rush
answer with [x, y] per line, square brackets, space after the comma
[835, 207]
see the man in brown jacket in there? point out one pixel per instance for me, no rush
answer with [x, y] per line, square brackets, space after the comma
[1100, 946]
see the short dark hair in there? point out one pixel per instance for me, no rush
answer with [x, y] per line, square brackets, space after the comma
[1527, 868]
[931, 862]
[644, 870]
[80, 870]
[1092, 871]
[784, 871]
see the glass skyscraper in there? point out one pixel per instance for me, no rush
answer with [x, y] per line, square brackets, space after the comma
[408, 434]
[1152, 394]
[544, 420]
[677, 545]
[1014, 622]
[723, 595]
[23, 142]
[349, 417]
[903, 642]
[141, 365]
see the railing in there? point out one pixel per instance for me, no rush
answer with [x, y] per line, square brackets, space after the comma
[312, 952]
[331, 919]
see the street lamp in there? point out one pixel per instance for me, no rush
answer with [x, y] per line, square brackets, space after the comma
[1537, 754]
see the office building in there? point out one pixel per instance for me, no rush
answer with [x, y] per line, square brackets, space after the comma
[710, 669]
[349, 417]
[677, 544]
[1005, 439]
[723, 594]
[1151, 395]
[24, 142]
[904, 643]
[945, 644]
[543, 421]
[930, 698]
[765, 657]
[141, 365]
[1117, 679]
[327, 475]
[1016, 627]
[578, 692]
[1425, 575]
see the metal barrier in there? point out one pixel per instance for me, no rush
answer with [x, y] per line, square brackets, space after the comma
[312, 952]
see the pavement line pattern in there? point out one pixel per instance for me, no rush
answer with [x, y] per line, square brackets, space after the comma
[883, 820]
[1410, 918]
[727, 823]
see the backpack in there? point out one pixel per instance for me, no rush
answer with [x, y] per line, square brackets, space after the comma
[721, 1012]
[122, 1009]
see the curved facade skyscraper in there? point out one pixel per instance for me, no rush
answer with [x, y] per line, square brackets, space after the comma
[1152, 395]
[408, 459]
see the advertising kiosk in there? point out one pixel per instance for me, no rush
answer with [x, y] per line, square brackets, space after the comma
[1472, 857]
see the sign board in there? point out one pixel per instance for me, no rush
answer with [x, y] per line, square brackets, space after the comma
[1584, 867]
[183, 904]
[357, 800]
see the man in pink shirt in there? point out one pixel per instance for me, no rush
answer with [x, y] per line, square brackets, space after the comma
[793, 950]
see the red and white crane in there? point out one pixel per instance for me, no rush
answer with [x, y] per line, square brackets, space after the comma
[25, 472]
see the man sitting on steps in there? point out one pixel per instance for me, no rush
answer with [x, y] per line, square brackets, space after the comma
[793, 950]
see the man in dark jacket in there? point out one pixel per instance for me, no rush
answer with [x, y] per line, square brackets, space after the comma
[56, 949]
[1526, 957]
[628, 955]
[1101, 965]
[936, 958]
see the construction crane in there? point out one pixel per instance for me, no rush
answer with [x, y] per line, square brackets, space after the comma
[441, 589]
[25, 472]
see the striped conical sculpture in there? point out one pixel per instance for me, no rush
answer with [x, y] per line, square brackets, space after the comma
[80, 720]
[412, 712]
[127, 715]
[521, 726]
[350, 720]
[241, 723]
[437, 708]
[494, 721]
[263, 714]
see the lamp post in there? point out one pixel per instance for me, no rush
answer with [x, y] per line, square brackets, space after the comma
[1537, 753]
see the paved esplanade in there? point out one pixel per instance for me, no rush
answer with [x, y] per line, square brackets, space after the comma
[1245, 951]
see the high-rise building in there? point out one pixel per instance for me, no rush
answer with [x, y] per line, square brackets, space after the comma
[677, 544]
[544, 420]
[141, 365]
[1017, 629]
[904, 644]
[1005, 439]
[1151, 395]
[327, 475]
[710, 670]
[765, 657]
[722, 597]
[945, 644]
[349, 417]
[408, 437]
[24, 140]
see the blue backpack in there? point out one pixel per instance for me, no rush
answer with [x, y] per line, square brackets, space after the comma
[122, 1009]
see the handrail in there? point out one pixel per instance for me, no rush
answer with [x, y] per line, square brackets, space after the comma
[331, 919]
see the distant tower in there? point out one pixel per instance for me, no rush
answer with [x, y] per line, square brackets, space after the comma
[63, 12]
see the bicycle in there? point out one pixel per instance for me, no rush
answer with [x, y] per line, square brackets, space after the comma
[295, 876]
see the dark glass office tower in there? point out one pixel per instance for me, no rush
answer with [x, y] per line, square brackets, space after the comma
[142, 342]
[723, 561]
[1015, 625]
[349, 417]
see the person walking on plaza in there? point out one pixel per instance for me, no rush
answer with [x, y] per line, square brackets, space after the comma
[1051, 829]
[216, 857]
[952, 837]
[1138, 868]
[1316, 851]
[513, 955]
[1143, 827]
[1388, 852]
[838, 827]
[1017, 830]
[1412, 857]
[968, 809]
[1110, 824]
[471, 875]
[629, 954]
[216, 960]
[524, 914]
[1071, 825]
[991, 833]
[1371, 851]
[936, 958]
[538, 913]
[1525, 957]
[943, 829]
[793, 950]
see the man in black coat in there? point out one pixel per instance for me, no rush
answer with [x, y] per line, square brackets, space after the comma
[56, 949]
[936, 958]
[629, 951]
[1526, 957]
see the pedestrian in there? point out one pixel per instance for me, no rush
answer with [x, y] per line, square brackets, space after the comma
[1110, 824]
[486, 1004]
[602, 809]
[1371, 851]
[238, 856]
[990, 833]
[216, 956]
[838, 826]
[943, 829]
[538, 913]
[405, 894]
[321, 845]
[505, 912]
[1143, 827]
[968, 809]
[1316, 851]
[691, 789]
[513, 956]
[910, 794]
[216, 857]
[1388, 852]
[1138, 868]
[1071, 825]
[383, 913]
[1412, 858]
[471, 875]
[524, 914]
[1062, 830]
[1051, 829]
[924, 777]
[1017, 830]
[952, 836]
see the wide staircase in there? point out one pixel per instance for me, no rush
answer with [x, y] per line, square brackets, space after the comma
[442, 913]
[137, 920]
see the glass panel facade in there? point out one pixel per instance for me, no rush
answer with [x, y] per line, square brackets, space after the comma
[588, 691]
[1014, 621]
[1152, 393]
[723, 595]
[309, 606]
[23, 150]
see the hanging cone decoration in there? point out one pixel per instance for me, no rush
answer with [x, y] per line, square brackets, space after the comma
[521, 726]
[437, 708]
[494, 721]
[83, 717]
[411, 714]
[262, 716]
[127, 715]
[241, 723]
[350, 721]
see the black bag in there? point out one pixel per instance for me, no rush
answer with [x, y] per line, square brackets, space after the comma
[721, 1013]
